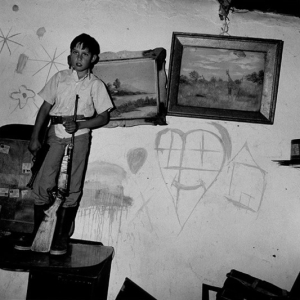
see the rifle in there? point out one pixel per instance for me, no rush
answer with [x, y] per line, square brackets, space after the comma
[44, 236]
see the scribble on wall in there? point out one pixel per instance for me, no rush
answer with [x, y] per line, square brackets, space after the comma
[21, 63]
[50, 61]
[103, 203]
[248, 181]
[190, 164]
[136, 158]
[22, 96]
[5, 40]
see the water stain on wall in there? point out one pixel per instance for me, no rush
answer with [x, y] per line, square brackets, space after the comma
[103, 203]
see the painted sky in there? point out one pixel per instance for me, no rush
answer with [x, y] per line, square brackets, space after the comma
[139, 73]
[214, 62]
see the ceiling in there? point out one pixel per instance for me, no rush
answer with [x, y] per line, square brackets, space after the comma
[285, 7]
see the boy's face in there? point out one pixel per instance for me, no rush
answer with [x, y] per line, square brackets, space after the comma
[81, 59]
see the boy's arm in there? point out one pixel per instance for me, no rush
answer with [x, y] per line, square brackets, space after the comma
[99, 121]
[40, 122]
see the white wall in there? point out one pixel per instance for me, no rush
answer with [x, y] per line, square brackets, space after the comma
[167, 247]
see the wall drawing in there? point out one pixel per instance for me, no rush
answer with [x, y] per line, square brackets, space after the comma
[5, 40]
[190, 163]
[51, 62]
[247, 181]
[23, 96]
[136, 158]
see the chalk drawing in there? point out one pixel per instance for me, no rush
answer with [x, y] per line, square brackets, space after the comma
[190, 164]
[136, 158]
[247, 181]
[50, 62]
[22, 96]
[21, 63]
[5, 40]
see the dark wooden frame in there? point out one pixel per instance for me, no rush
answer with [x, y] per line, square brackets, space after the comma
[271, 50]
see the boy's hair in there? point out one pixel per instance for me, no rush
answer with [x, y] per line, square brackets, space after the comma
[87, 42]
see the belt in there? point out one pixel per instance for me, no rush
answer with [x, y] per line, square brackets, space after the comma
[61, 119]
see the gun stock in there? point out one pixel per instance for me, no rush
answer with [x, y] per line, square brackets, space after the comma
[44, 236]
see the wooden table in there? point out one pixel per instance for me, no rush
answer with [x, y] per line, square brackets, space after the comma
[83, 273]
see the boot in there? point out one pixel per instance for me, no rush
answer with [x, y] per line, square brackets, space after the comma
[25, 241]
[65, 219]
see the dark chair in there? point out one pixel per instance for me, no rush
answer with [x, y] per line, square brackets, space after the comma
[294, 293]
[205, 290]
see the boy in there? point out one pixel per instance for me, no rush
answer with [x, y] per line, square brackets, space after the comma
[93, 108]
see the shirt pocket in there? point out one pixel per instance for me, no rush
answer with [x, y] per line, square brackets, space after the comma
[89, 108]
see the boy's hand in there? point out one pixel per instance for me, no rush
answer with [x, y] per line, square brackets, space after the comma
[70, 126]
[34, 146]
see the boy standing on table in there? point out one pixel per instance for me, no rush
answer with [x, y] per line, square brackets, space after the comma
[93, 108]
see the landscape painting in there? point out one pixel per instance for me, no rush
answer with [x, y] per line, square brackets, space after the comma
[221, 78]
[224, 77]
[132, 85]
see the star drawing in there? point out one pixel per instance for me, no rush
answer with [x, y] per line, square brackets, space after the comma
[51, 62]
[6, 39]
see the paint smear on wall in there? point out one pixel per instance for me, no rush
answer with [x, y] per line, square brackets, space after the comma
[136, 158]
[40, 32]
[21, 63]
[103, 203]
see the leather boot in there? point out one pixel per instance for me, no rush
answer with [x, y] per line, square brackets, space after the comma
[25, 241]
[65, 218]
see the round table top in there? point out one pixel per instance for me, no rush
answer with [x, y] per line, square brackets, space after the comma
[81, 255]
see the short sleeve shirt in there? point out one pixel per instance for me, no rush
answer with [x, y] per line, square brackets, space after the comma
[61, 91]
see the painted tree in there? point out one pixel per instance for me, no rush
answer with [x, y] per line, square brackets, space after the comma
[117, 83]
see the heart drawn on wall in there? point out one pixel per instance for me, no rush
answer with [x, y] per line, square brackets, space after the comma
[190, 164]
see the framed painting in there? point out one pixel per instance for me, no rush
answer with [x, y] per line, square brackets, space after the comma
[224, 77]
[136, 81]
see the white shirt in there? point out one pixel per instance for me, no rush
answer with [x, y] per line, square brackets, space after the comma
[61, 91]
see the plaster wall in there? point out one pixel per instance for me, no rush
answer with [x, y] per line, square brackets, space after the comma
[168, 245]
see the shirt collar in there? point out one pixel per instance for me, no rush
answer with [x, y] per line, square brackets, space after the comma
[75, 76]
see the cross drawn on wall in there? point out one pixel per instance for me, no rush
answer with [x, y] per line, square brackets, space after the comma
[5, 40]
